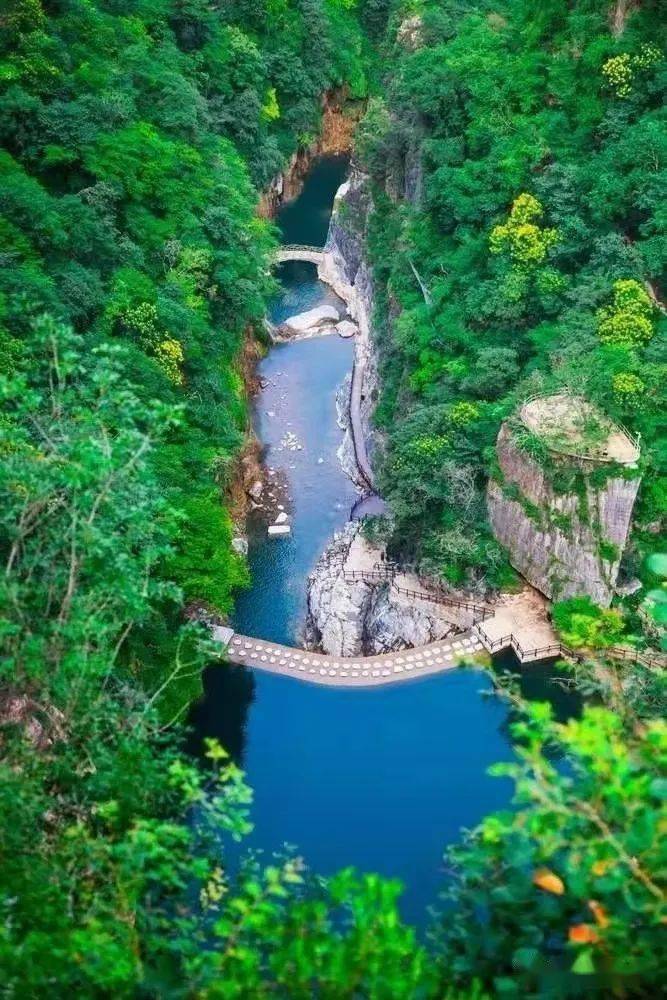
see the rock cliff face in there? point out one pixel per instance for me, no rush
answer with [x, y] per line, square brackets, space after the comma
[565, 544]
[353, 618]
[346, 271]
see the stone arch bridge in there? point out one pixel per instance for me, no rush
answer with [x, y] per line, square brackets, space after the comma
[299, 251]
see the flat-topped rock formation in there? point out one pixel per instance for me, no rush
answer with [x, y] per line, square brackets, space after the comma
[564, 519]
[572, 426]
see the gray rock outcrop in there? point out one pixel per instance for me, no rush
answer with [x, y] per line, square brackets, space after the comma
[343, 268]
[346, 328]
[566, 544]
[348, 617]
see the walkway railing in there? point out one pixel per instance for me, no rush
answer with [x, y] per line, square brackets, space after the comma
[649, 660]
[369, 575]
[481, 611]
[634, 439]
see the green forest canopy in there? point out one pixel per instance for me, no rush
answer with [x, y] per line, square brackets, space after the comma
[518, 158]
[135, 138]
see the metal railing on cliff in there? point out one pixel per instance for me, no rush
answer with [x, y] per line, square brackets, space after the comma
[481, 611]
[634, 439]
[624, 653]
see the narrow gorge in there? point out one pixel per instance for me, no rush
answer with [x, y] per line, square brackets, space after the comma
[302, 595]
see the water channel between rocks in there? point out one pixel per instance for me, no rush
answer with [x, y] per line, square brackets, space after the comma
[382, 779]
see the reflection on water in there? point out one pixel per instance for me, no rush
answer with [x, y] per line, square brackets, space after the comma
[382, 779]
[223, 712]
[541, 682]
[301, 290]
[306, 219]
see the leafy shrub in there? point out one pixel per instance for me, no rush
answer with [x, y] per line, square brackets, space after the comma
[581, 623]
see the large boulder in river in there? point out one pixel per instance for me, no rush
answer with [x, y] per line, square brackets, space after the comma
[306, 321]
[346, 328]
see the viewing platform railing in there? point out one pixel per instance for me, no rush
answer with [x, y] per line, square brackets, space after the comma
[634, 439]
[481, 612]
[650, 660]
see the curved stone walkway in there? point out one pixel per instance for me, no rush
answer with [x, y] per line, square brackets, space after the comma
[364, 671]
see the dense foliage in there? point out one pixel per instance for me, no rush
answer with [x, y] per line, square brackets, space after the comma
[569, 883]
[110, 840]
[135, 134]
[518, 158]
[112, 844]
[133, 138]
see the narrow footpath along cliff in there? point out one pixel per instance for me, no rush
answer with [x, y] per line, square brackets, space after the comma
[344, 268]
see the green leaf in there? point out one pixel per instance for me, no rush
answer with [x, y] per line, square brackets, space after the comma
[658, 788]
[525, 958]
[657, 563]
[584, 964]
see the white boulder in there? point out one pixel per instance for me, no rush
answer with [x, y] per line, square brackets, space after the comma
[240, 545]
[346, 328]
[275, 530]
[305, 321]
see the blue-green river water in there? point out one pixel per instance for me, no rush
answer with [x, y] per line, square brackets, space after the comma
[382, 779]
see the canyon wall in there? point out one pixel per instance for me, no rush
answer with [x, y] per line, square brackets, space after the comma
[339, 120]
[349, 617]
[347, 272]
[569, 543]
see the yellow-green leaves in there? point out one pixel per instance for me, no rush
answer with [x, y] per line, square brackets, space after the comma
[627, 322]
[521, 236]
[619, 71]
[271, 108]
[169, 355]
[628, 388]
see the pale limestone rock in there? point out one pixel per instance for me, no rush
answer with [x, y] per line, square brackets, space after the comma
[306, 321]
[343, 268]
[353, 617]
[410, 33]
[554, 539]
[240, 545]
[276, 530]
[346, 328]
